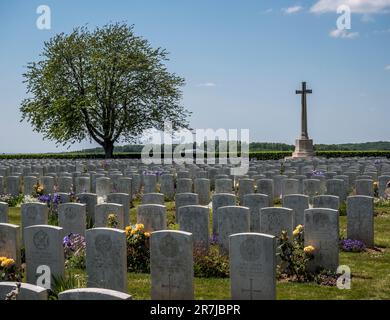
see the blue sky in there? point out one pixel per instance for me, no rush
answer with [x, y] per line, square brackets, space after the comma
[242, 61]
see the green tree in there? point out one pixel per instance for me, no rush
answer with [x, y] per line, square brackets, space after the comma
[108, 85]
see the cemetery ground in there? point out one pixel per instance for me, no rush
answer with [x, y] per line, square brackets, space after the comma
[370, 276]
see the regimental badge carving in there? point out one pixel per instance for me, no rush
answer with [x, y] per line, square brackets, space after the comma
[321, 222]
[103, 243]
[273, 221]
[31, 213]
[70, 214]
[169, 246]
[41, 240]
[249, 250]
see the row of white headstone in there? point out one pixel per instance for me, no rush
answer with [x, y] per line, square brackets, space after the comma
[256, 214]
[251, 226]
[251, 254]
[275, 185]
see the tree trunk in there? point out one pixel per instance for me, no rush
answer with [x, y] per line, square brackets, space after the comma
[108, 149]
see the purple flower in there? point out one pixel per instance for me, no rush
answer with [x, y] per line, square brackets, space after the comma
[66, 242]
[73, 243]
[152, 173]
[317, 173]
[56, 198]
[214, 239]
[45, 198]
[350, 245]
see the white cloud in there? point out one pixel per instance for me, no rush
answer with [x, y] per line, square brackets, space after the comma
[367, 18]
[356, 6]
[382, 31]
[269, 10]
[387, 68]
[291, 10]
[343, 33]
[207, 84]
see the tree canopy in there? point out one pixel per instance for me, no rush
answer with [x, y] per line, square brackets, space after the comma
[108, 85]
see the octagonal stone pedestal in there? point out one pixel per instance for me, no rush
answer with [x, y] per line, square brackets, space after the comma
[303, 148]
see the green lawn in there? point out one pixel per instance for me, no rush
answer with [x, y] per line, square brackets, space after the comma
[370, 270]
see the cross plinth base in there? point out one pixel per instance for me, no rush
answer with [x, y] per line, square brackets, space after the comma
[303, 148]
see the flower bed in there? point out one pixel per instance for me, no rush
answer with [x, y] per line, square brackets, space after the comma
[350, 245]
[9, 271]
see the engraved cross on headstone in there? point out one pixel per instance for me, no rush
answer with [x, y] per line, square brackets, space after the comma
[303, 92]
[250, 290]
[323, 249]
[362, 221]
[169, 286]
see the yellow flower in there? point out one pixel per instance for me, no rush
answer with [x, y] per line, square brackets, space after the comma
[309, 249]
[297, 230]
[112, 216]
[139, 226]
[133, 231]
[284, 236]
[7, 263]
[2, 259]
[147, 234]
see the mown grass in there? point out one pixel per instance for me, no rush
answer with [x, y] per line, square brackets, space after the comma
[370, 270]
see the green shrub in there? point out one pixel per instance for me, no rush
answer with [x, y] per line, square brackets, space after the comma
[343, 208]
[294, 259]
[211, 264]
[11, 200]
[293, 256]
[70, 155]
[77, 261]
[269, 155]
[74, 251]
[138, 253]
[60, 284]
[344, 154]
[277, 202]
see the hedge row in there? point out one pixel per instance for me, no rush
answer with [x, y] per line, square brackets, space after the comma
[76, 155]
[259, 155]
[264, 155]
[348, 153]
